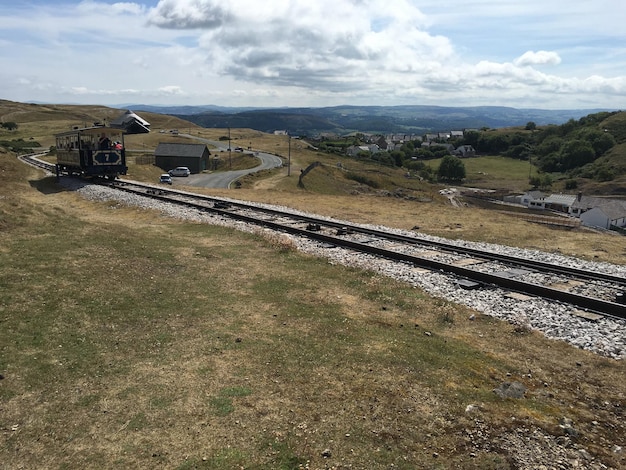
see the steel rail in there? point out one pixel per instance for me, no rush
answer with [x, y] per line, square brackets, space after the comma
[534, 265]
[597, 305]
[594, 304]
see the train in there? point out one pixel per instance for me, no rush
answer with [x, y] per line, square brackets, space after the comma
[96, 151]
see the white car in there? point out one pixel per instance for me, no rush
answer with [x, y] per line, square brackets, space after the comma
[165, 178]
[180, 171]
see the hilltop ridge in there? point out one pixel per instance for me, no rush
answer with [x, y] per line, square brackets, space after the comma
[346, 119]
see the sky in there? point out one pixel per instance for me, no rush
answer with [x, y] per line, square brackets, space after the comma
[548, 54]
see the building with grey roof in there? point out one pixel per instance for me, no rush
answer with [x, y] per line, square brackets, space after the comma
[608, 214]
[170, 155]
[131, 123]
[592, 211]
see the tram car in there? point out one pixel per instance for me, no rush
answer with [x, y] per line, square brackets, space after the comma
[91, 151]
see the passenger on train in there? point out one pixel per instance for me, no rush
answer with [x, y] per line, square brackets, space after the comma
[104, 143]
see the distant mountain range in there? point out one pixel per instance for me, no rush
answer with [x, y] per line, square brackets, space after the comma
[344, 120]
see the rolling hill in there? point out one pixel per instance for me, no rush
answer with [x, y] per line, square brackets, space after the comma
[367, 119]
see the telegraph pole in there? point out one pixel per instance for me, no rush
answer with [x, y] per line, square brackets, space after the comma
[289, 155]
[230, 157]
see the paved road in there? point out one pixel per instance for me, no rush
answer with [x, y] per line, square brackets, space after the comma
[224, 179]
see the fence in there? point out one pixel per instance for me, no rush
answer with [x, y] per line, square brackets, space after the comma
[568, 222]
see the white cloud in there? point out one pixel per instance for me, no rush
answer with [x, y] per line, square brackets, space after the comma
[327, 44]
[101, 92]
[538, 58]
[188, 14]
[89, 7]
[315, 53]
[171, 90]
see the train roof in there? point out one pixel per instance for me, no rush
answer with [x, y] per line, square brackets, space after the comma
[94, 130]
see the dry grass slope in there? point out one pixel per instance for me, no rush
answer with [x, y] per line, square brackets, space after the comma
[131, 340]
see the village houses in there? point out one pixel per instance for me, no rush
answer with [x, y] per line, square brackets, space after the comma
[597, 212]
[378, 143]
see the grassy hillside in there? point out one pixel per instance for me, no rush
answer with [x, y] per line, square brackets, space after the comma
[131, 340]
[587, 155]
[615, 159]
[135, 341]
[41, 122]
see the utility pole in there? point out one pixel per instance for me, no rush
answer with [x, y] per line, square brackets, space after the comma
[530, 154]
[289, 155]
[230, 159]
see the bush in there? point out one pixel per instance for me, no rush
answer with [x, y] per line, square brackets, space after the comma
[451, 169]
[19, 145]
[571, 184]
[605, 174]
[10, 125]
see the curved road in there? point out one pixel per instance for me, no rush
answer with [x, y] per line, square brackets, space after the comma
[224, 179]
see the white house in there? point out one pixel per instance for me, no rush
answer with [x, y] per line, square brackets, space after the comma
[560, 202]
[611, 212]
[526, 198]
[554, 202]
[354, 150]
[465, 151]
[592, 211]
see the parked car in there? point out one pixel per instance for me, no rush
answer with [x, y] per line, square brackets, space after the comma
[165, 178]
[180, 171]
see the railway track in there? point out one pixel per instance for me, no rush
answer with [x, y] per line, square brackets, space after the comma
[475, 269]
[32, 159]
[598, 292]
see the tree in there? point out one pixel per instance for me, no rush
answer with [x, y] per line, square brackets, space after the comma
[493, 143]
[10, 125]
[534, 181]
[577, 153]
[542, 182]
[604, 174]
[571, 184]
[546, 181]
[408, 148]
[451, 169]
[471, 138]
[603, 143]
[549, 145]
[531, 126]
[397, 156]
[519, 152]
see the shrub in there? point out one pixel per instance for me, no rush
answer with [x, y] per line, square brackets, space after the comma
[10, 125]
[571, 184]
